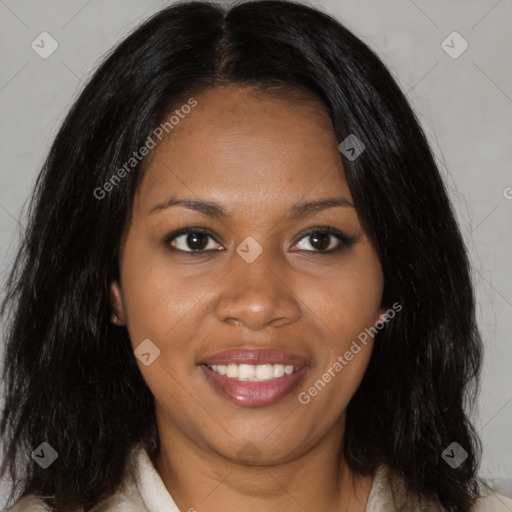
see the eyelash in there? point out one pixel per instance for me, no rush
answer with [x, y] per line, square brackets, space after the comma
[345, 240]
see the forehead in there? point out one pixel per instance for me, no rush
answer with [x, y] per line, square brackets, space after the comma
[243, 147]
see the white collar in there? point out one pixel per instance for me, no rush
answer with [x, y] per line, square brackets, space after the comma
[150, 485]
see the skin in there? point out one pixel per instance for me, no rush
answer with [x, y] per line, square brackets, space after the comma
[257, 155]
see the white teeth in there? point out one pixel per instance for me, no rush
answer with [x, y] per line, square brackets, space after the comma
[264, 372]
[246, 372]
[253, 373]
[278, 370]
[232, 370]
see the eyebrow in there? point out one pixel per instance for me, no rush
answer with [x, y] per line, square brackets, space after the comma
[214, 209]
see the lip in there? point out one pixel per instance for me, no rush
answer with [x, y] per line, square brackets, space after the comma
[254, 394]
[256, 356]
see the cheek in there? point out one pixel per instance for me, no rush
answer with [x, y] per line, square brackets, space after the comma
[348, 308]
[156, 296]
[345, 350]
[329, 391]
[348, 299]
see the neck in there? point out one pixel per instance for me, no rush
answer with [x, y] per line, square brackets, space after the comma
[200, 479]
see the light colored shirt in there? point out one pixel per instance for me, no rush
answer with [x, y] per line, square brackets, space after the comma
[143, 490]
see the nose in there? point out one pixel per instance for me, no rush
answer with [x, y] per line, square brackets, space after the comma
[257, 295]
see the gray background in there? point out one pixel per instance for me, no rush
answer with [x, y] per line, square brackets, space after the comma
[464, 104]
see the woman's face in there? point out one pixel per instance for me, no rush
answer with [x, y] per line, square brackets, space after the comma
[278, 299]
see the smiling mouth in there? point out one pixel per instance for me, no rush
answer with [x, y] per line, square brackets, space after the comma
[253, 372]
[254, 393]
[254, 377]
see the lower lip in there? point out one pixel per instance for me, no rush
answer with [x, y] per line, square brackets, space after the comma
[253, 394]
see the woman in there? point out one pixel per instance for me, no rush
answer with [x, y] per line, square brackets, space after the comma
[242, 273]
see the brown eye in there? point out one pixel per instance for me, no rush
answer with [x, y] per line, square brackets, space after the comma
[324, 240]
[320, 241]
[192, 241]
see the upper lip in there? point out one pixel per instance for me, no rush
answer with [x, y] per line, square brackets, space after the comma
[249, 355]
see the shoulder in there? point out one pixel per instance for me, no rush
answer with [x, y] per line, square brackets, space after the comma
[31, 503]
[127, 498]
[389, 493]
[493, 502]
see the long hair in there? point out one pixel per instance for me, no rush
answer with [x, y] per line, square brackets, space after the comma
[71, 379]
